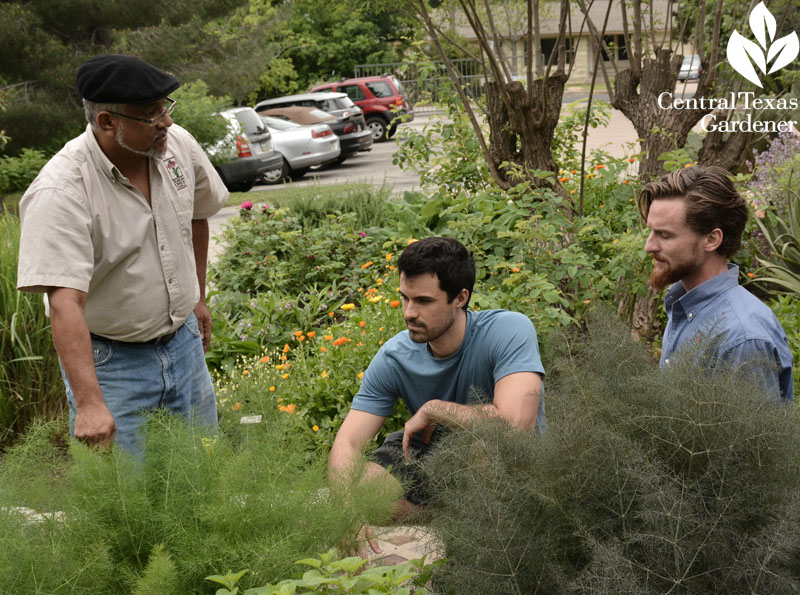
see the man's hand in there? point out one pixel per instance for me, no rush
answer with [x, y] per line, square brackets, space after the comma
[365, 536]
[203, 322]
[421, 421]
[95, 425]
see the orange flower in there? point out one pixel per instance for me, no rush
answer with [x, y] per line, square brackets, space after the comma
[311, 334]
[362, 324]
[751, 274]
[328, 337]
[272, 389]
[631, 160]
[283, 358]
[290, 408]
[323, 350]
[388, 258]
[515, 269]
[380, 328]
[599, 166]
[324, 374]
[315, 427]
[626, 181]
[330, 314]
[366, 265]
[236, 407]
[340, 341]
[564, 179]
[359, 344]
[572, 192]
[285, 376]
[245, 372]
[301, 338]
[298, 333]
[280, 367]
[286, 348]
[574, 171]
[264, 360]
[395, 303]
[360, 289]
[412, 240]
[380, 342]
[360, 375]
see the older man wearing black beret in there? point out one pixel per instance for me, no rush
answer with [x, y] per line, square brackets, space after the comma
[115, 232]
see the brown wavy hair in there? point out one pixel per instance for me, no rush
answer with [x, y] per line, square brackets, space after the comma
[712, 202]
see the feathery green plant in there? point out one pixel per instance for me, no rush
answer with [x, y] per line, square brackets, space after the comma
[646, 481]
[194, 504]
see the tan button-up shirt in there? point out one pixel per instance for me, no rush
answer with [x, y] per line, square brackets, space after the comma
[85, 226]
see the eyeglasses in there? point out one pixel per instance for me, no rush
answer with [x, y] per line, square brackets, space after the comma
[152, 122]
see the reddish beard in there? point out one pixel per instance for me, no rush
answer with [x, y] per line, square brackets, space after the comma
[667, 275]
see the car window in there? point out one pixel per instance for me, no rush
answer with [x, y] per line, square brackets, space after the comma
[401, 90]
[354, 92]
[279, 124]
[380, 89]
[251, 122]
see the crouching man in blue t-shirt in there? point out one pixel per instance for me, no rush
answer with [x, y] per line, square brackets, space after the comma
[450, 367]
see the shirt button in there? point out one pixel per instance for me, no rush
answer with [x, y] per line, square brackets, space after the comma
[690, 314]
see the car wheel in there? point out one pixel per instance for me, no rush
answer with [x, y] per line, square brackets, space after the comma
[392, 130]
[378, 127]
[298, 173]
[276, 176]
[340, 159]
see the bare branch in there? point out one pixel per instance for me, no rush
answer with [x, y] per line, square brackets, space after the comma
[498, 44]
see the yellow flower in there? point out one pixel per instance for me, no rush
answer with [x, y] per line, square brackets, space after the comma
[285, 376]
[586, 301]
[688, 165]
[360, 375]
[375, 299]
[315, 428]
[412, 240]
[280, 367]
[360, 289]
[324, 374]
[272, 389]
[348, 306]
[388, 257]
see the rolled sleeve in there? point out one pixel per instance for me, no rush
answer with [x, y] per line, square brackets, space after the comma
[762, 361]
[56, 247]
[210, 194]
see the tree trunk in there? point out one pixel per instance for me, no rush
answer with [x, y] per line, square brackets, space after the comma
[728, 153]
[660, 129]
[521, 129]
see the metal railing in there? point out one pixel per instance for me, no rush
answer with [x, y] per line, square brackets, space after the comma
[429, 82]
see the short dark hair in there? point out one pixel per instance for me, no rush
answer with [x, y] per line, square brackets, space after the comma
[447, 257]
[711, 202]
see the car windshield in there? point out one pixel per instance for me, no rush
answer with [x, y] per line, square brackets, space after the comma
[279, 124]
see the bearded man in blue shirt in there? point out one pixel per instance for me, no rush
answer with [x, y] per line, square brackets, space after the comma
[696, 219]
[451, 367]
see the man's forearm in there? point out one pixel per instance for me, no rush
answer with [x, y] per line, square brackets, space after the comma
[200, 237]
[74, 347]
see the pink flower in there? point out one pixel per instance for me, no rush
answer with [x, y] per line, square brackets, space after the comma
[246, 205]
[362, 234]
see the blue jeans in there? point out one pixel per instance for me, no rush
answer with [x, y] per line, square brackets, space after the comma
[138, 378]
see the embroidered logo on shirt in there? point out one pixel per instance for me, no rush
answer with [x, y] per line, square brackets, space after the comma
[175, 173]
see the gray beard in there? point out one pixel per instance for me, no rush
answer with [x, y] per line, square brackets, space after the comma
[149, 153]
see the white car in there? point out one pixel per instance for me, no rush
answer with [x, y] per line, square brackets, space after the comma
[302, 147]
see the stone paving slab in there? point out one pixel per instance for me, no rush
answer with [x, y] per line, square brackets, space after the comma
[403, 543]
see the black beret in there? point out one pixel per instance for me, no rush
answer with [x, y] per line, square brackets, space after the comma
[115, 78]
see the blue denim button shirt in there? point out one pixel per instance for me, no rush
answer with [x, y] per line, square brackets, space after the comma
[737, 325]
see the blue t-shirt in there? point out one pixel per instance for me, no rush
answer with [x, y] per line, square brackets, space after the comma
[731, 325]
[496, 343]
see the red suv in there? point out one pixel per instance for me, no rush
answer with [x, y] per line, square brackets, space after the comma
[381, 98]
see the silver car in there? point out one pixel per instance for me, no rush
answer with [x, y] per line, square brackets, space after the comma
[301, 147]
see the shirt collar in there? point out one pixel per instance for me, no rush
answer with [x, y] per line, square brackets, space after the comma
[693, 299]
[104, 164]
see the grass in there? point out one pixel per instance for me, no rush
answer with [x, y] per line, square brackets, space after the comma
[30, 381]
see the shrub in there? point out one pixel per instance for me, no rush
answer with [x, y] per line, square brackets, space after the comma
[30, 381]
[17, 173]
[245, 498]
[645, 481]
[196, 111]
